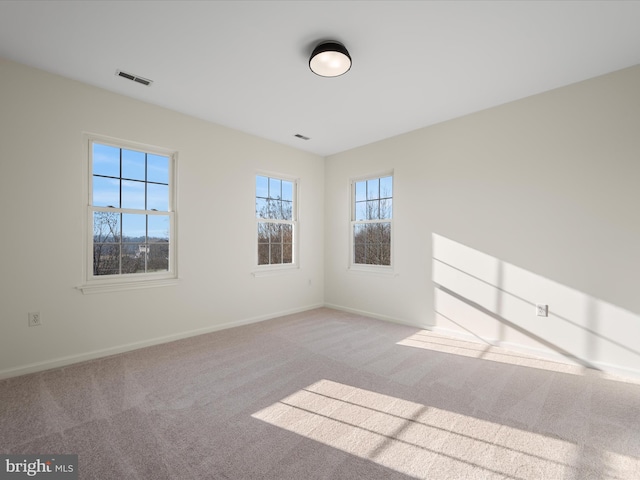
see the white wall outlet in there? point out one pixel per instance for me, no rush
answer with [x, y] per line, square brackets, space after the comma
[34, 319]
[542, 310]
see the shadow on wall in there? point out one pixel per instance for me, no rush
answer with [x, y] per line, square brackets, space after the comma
[481, 297]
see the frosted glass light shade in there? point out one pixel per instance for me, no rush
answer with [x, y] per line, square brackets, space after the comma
[330, 59]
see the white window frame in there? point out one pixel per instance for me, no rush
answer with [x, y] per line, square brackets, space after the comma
[118, 282]
[271, 269]
[363, 267]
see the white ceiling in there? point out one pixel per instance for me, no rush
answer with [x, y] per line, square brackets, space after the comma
[245, 64]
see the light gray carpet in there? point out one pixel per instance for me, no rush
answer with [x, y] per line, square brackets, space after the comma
[326, 394]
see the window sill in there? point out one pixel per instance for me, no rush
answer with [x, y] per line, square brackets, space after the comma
[104, 287]
[372, 270]
[270, 271]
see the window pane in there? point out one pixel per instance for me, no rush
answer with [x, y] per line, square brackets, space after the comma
[106, 227]
[276, 209]
[158, 228]
[287, 233]
[276, 253]
[134, 228]
[361, 191]
[158, 257]
[361, 210]
[359, 234]
[270, 209]
[287, 210]
[106, 259]
[133, 194]
[106, 192]
[371, 254]
[385, 254]
[373, 209]
[386, 208]
[275, 187]
[385, 236]
[262, 186]
[133, 257]
[358, 253]
[157, 168]
[132, 249]
[275, 233]
[157, 197]
[287, 190]
[374, 233]
[373, 189]
[106, 160]
[263, 254]
[263, 233]
[287, 253]
[133, 165]
[262, 208]
[386, 187]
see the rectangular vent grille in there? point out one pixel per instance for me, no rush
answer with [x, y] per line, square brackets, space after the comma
[134, 78]
[302, 137]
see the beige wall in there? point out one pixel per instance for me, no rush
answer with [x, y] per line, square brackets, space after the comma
[42, 120]
[535, 201]
[531, 202]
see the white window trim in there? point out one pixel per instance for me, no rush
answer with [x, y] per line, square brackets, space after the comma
[278, 268]
[100, 284]
[382, 270]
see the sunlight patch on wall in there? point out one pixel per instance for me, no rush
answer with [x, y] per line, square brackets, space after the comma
[478, 296]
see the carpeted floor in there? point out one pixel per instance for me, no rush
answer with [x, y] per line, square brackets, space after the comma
[326, 395]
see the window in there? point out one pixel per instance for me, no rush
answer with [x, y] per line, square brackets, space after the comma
[131, 213]
[276, 220]
[371, 221]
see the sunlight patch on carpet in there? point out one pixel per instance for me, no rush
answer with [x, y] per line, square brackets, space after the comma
[430, 341]
[417, 440]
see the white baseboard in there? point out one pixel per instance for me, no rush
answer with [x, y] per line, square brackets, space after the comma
[607, 369]
[375, 315]
[82, 357]
[527, 350]
[615, 372]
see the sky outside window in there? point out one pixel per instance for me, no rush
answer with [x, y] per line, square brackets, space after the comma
[131, 179]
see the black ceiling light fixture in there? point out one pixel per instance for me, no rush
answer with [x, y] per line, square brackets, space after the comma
[330, 59]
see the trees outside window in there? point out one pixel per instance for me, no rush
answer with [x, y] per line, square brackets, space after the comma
[131, 212]
[276, 220]
[371, 221]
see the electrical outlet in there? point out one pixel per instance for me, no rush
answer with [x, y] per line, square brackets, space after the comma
[34, 319]
[542, 310]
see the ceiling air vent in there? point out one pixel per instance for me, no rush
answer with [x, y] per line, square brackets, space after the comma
[301, 137]
[134, 78]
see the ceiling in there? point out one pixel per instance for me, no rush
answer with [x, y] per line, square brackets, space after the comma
[244, 64]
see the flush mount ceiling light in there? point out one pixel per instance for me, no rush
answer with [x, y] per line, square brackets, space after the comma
[330, 59]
